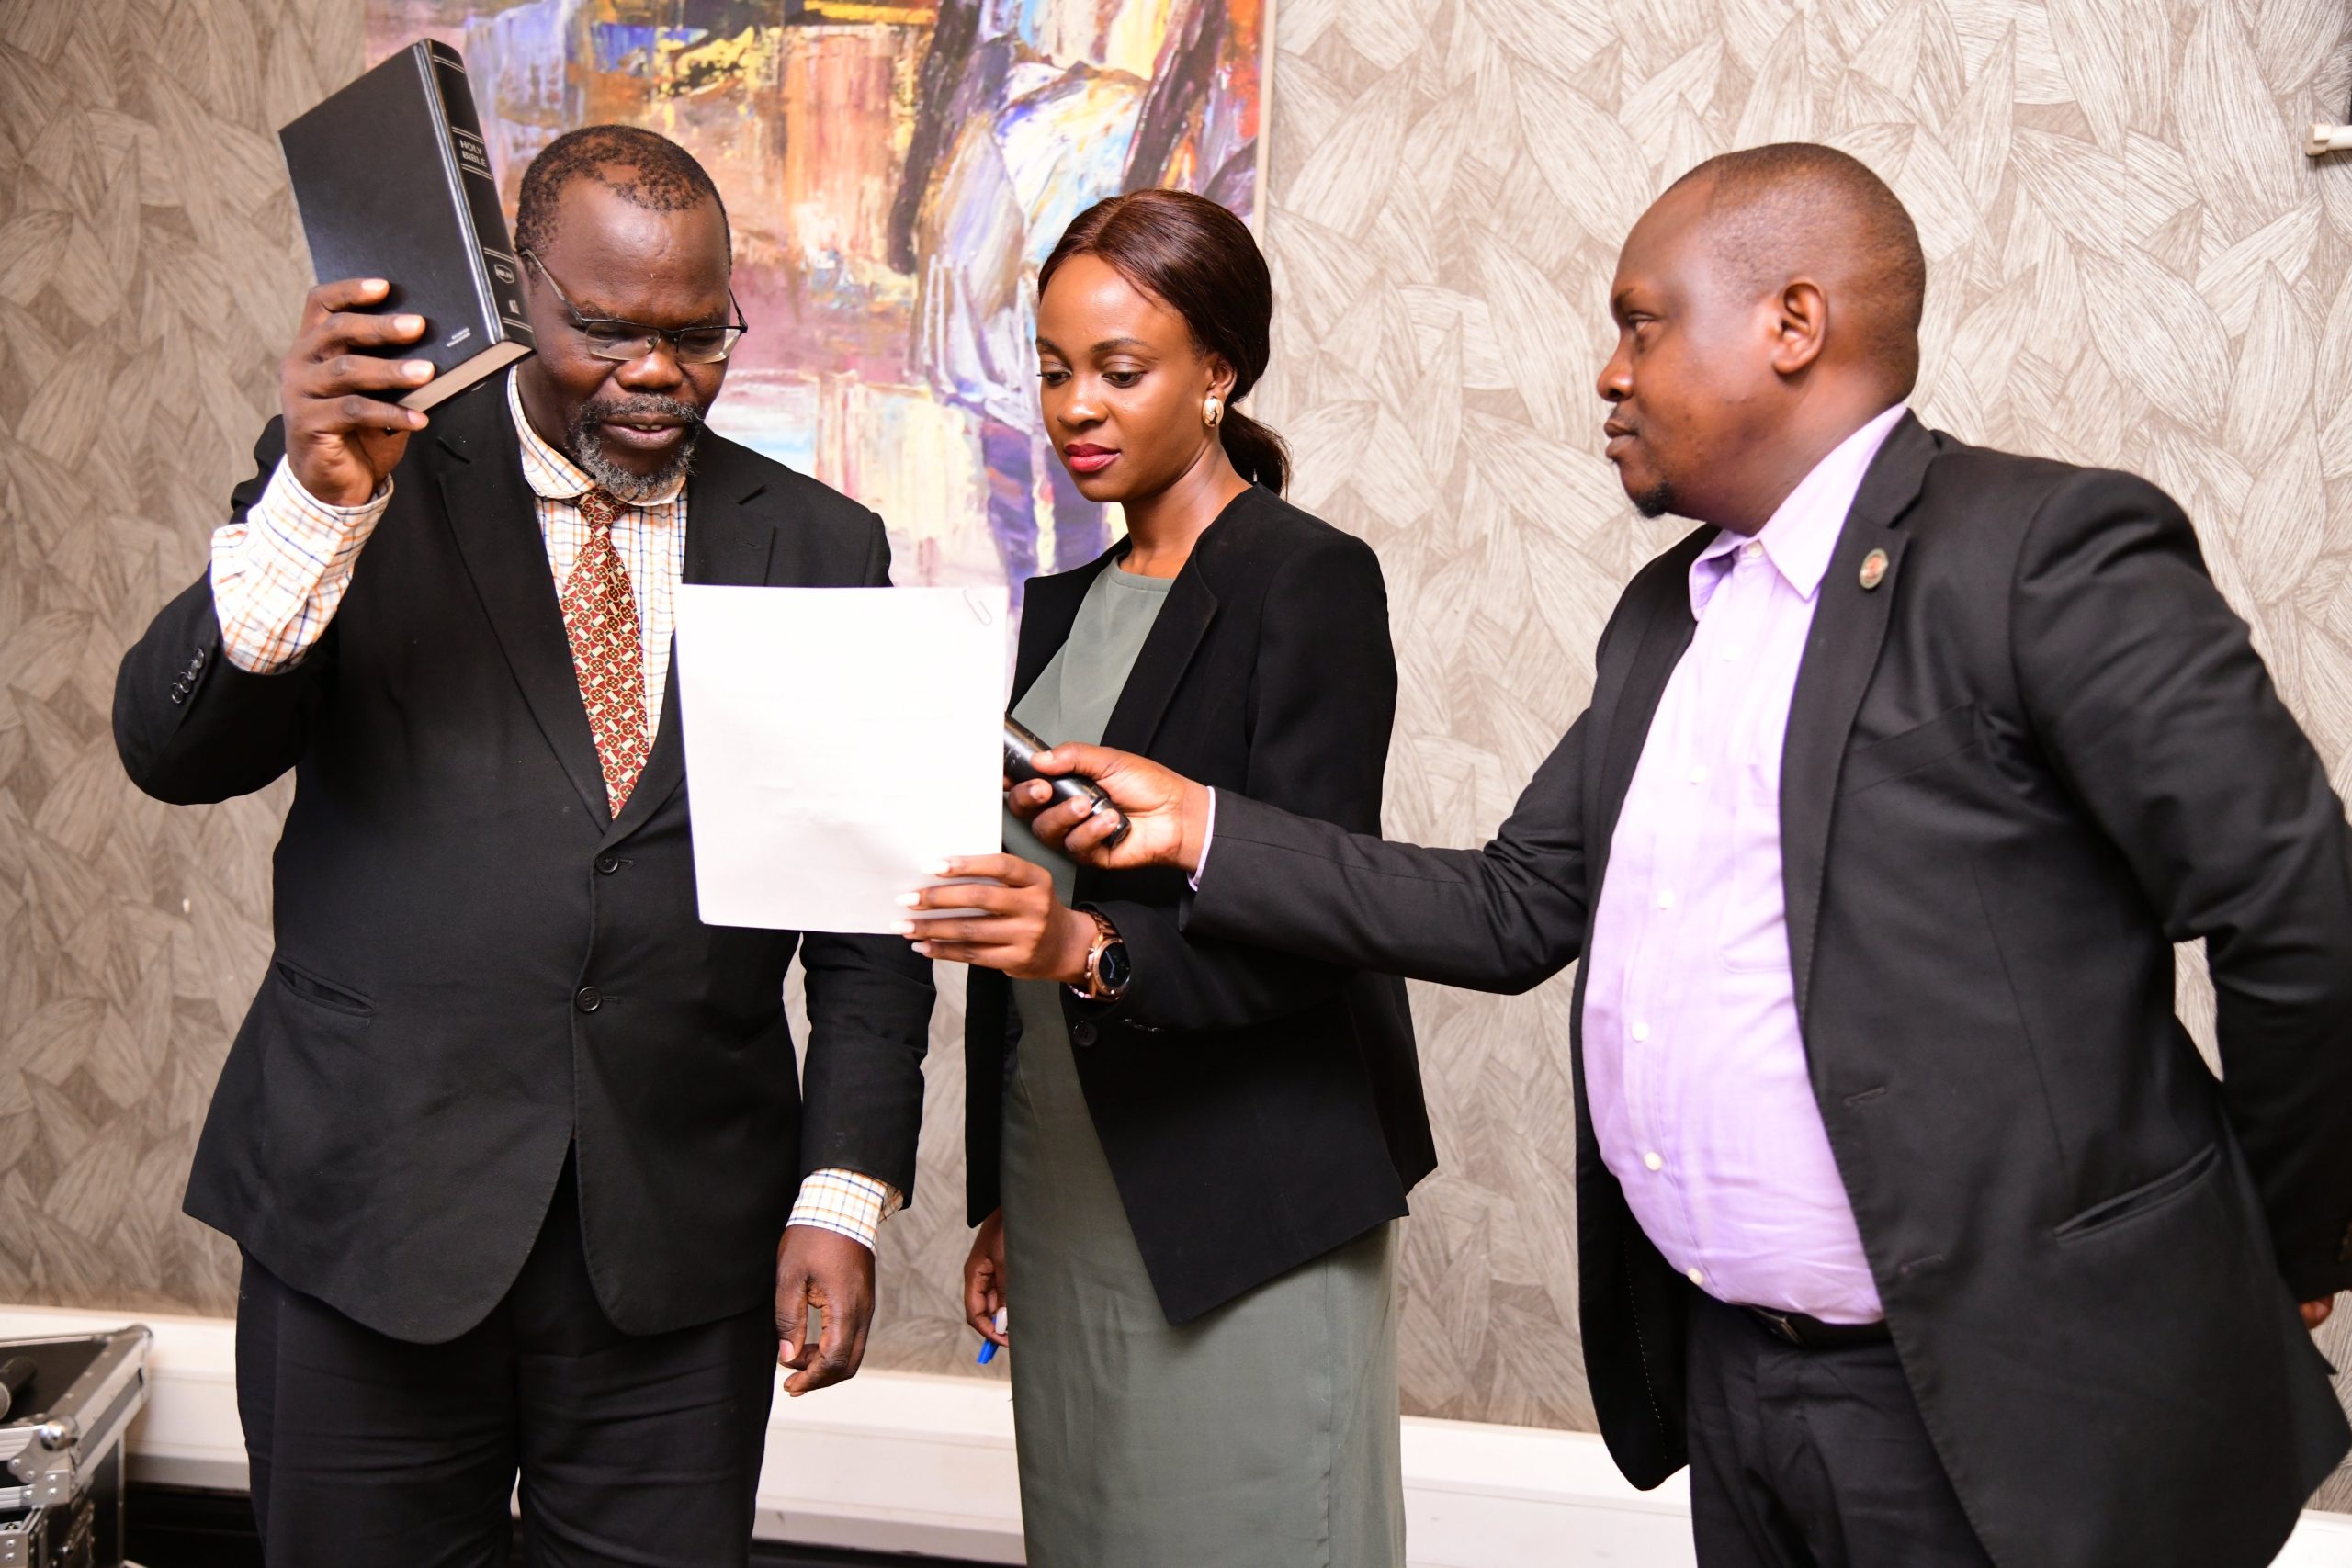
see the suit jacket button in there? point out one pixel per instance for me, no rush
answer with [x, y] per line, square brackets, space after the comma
[607, 864]
[1083, 1034]
[588, 999]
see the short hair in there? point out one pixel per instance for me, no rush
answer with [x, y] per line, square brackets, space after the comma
[662, 176]
[1794, 205]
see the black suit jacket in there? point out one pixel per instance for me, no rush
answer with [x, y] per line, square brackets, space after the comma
[1257, 1109]
[475, 967]
[2040, 752]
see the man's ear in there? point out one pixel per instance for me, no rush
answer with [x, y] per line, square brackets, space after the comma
[1802, 329]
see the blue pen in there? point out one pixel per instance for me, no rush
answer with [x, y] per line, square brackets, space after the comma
[989, 1346]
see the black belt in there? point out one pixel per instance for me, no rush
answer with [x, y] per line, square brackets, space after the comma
[1811, 1333]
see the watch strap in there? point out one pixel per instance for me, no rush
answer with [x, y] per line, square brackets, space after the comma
[1105, 936]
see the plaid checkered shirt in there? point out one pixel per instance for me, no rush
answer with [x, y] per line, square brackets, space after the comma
[279, 576]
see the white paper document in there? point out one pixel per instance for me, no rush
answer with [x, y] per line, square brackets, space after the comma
[839, 741]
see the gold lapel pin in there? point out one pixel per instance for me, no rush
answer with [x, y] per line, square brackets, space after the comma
[1873, 568]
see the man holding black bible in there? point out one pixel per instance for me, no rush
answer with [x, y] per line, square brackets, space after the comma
[509, 1137]
[1908, 1216]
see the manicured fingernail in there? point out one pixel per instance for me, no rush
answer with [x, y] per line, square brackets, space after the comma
[909, 900]
[940, 868]
[923, 948]
[409, 323]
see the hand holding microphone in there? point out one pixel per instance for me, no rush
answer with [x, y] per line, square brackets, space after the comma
[1154, 816]
[1021, 744]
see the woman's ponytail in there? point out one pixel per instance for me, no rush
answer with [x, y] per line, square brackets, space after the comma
[1256, 454]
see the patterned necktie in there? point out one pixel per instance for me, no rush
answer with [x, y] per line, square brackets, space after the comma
[600, 617]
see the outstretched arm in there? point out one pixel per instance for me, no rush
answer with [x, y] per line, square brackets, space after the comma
[1501, 919]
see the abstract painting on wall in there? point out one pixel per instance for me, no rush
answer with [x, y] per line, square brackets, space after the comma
[895, 173]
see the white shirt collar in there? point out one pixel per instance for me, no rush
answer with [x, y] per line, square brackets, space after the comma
[1802, 534]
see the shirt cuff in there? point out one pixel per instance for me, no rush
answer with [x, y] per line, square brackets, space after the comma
[279, 572]
[1208, 837]
[846, 1203]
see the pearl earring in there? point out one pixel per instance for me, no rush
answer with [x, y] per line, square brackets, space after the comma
[1213, 411]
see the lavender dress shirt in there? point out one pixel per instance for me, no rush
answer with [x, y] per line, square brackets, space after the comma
[1694, 1066]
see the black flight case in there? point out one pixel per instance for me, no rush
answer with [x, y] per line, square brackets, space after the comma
[62, 1447]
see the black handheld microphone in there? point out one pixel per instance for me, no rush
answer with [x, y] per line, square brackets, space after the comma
[1020, 743]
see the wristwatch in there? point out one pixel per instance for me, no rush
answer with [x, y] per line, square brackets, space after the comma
[1107, 968]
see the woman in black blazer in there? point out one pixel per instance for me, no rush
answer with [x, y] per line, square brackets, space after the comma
[1185, 1156]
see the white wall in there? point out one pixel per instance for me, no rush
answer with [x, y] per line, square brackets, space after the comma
[905, 1461]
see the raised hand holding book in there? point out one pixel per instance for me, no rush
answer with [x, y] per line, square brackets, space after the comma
[393, 181]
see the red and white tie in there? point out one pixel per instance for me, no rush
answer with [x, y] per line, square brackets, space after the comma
[600, 617]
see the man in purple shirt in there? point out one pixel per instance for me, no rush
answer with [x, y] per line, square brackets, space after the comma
[1907, 1214]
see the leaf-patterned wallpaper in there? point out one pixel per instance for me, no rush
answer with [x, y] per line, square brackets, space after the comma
[2131, 262]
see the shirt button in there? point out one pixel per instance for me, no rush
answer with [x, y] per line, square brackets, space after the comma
[1699, 774]
[1641, 1032]
[1665, 899]
[607, 864]
[1753, 548]
[1731, 656]
[1695, 1274]
[588, 998]
[1655, 1160]
[1082, 1034]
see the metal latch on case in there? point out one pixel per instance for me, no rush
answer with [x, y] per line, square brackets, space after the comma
[46, 1463]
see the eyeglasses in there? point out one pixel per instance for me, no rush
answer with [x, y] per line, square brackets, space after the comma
[625, 341]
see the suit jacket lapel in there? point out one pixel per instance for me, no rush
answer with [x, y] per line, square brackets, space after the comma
[495, 519]
[1666, 629]
[1049, 611]
[728, 541]
[1841, 652]
[1160, 663]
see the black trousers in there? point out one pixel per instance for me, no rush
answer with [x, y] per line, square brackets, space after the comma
[1812, 1459]
[372, 1452]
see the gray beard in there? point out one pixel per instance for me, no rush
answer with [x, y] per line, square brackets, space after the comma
[584, 444]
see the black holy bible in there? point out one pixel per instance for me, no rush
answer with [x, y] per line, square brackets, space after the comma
[393, 181]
